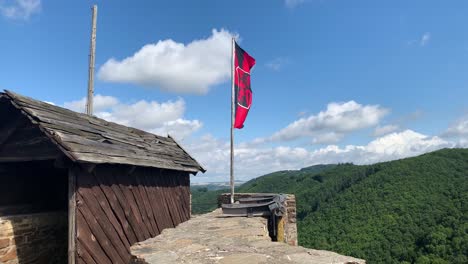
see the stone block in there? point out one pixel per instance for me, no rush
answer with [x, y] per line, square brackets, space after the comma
[4, 242]
[10, 255]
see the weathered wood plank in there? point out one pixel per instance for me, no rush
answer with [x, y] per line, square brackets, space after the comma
[161, 213]
[99, 124]
[97, 158]
[82, 144]
[131, 146]
[185, 180]
[108, 210]
[184, 204]
[166, 151]
[32, 102]
[164, 186]
[133, 186]
[121, 135]
[102, 178]
[84, 125]
[143, 200]
[146, 199]
[88, 241]
[51, 112]
[130, 216]
[98, 232]
[175, 198]
[84, 256]
[178, 196]
[124, 187]
[86, 192]
[28, 102]
[71, 216]
[161, 189]
[53, 129]
[182, 196]
[171, 198]
[57, 113]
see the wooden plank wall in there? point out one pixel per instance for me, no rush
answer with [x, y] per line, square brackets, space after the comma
[118, 206]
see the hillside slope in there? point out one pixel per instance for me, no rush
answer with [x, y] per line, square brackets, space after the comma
[412, 210]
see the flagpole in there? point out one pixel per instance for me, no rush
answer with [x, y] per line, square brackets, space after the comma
[232, 119]
[92, 51]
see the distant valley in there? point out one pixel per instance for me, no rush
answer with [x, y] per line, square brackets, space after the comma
[413, 210]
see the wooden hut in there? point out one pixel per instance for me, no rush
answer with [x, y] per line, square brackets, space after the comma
[115, 185]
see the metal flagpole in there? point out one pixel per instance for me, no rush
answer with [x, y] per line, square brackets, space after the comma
[232, 120]
[92, 50]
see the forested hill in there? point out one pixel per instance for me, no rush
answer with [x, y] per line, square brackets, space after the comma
[412, 210]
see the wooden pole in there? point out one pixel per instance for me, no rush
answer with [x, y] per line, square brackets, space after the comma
[71, 216]
[232, 120]
[92, 50]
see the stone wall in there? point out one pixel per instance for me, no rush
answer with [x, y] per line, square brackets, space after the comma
[290, 225]
[34, 238]
[288, 222]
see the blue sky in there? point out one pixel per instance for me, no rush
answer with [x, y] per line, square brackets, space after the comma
[335, 81]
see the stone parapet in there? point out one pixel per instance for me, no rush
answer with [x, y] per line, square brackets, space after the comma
[286, 226]
[215, 239]
[290, 225]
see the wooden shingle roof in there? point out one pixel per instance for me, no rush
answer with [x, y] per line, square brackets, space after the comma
[89, 139]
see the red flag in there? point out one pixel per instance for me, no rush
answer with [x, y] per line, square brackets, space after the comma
[243, 63]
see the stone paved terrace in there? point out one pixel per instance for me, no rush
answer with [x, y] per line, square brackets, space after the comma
[211, 238]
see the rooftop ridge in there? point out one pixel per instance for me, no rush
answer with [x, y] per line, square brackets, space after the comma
[90, 139]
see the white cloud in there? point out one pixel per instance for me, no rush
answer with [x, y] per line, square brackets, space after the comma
[277, 63]
[101, 102]
[252, 160]
[327, 138]
[426, 37]
[293, 3]
[175, 67]
[19, 9]
[338, 118]
[458, 131]
[159, 118]
[383, 130]
[179, 128]
[403, 144]
[459, 128]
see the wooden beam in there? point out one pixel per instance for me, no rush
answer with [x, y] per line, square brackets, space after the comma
[27, 158]
[72, 174]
